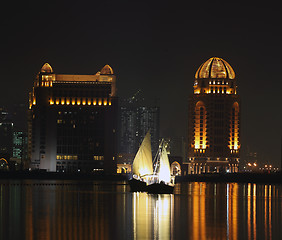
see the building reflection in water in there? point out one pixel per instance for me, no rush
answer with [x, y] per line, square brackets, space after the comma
[228, 211]
[260, 199]
[199, 211]
[232, 211]
[100, 210]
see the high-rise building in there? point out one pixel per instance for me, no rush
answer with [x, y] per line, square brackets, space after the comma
[19, 158]
[6, 134]
[19, 145]
[137, 117]
[73, 121]
[214, 119]
[19, 113]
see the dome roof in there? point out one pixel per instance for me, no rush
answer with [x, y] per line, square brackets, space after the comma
[107, 70]
[46, 68]
[215, 68]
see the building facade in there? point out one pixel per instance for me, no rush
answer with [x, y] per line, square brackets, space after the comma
[137, 117]
[6, 134]
[73, 121]
[20, 156]
[214, 119]
[177, 153]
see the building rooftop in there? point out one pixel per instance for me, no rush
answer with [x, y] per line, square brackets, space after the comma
[101, 76]
[215, 68]
[107, 70]
[46, 68]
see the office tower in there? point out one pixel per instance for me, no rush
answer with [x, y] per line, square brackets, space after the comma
[137, 117]
[73, 121]
[19, 146]
[6, 135]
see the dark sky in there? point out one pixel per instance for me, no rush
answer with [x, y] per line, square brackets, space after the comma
[155, 46]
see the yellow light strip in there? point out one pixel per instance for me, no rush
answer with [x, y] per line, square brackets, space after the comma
[200, 132]
[234, 139]
[68, 101]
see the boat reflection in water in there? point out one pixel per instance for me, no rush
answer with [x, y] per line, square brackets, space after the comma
[152, 215]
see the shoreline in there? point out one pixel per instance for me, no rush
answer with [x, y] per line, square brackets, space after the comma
[233, 177]
[230, 177]
[21, 175]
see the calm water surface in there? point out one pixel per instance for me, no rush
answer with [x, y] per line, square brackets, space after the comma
[33, 209]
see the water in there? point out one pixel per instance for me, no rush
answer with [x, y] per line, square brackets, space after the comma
[57, 209]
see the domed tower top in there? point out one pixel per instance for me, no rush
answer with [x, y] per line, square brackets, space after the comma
[107, 70]
[215, 68]
[46, 68]
[215, 76]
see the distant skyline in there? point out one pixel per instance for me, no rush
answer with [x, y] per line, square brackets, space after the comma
[155, 46]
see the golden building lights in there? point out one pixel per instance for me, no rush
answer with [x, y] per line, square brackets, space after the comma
[78, 96]
[218, 69]
[234, 129]
[67, 157]
[200, 126]
[84, 101]
[214, 119]
[46, 68]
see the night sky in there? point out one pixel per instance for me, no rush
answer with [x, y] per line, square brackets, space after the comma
[155, 46]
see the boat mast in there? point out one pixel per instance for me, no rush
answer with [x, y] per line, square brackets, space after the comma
[156, 161]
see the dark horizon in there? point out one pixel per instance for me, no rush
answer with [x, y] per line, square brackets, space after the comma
[156, 47]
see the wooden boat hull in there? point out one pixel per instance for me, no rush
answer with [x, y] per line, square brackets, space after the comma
[161, 188]
[137, 185]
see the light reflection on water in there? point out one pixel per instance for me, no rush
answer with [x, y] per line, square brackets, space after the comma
[107, 210]
[152, 216]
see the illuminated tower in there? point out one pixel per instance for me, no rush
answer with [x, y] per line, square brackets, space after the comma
[214, 119]
[72, 121]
